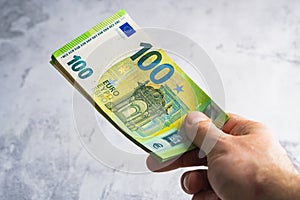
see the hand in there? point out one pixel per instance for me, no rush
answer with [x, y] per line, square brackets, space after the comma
[245, 162]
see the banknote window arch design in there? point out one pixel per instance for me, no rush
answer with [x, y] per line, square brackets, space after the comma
[146, 108]
[134, 109]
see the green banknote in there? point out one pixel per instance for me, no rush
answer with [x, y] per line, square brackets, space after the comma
[135, 85]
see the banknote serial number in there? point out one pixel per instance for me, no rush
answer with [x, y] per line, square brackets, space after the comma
[77, 64]
[160, 72]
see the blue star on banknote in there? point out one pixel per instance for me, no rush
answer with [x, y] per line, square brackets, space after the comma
[178, 88]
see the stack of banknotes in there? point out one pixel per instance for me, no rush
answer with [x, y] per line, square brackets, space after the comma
[135, 85]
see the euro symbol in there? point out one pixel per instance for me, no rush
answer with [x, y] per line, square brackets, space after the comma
[157, 145]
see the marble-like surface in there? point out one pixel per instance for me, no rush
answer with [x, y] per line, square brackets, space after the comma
[255, 45]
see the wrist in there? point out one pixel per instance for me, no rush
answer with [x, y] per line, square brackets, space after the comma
[295, 187]
[283, 185]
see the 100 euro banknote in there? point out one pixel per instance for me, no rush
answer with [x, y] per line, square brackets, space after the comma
[135, 85]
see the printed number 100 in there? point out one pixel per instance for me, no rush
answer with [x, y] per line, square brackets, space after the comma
[167, 68]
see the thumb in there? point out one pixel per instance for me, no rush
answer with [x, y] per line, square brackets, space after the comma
[204, 134]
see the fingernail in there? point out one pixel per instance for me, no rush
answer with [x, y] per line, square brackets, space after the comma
[195, 117]
[186, 181]
[201, 154]
[190, 125]
[211, 196]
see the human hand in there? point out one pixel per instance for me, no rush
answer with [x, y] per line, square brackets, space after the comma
[245, 162]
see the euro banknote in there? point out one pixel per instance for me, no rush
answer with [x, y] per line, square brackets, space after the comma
[135, 85]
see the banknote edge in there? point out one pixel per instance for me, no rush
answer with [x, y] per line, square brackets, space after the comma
[89, 33]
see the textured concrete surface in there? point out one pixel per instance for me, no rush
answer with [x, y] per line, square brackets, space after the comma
[255, 45]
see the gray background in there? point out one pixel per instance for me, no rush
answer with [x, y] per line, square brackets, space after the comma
[254, 44]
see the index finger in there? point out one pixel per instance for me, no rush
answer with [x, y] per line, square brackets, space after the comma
[187, 159]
